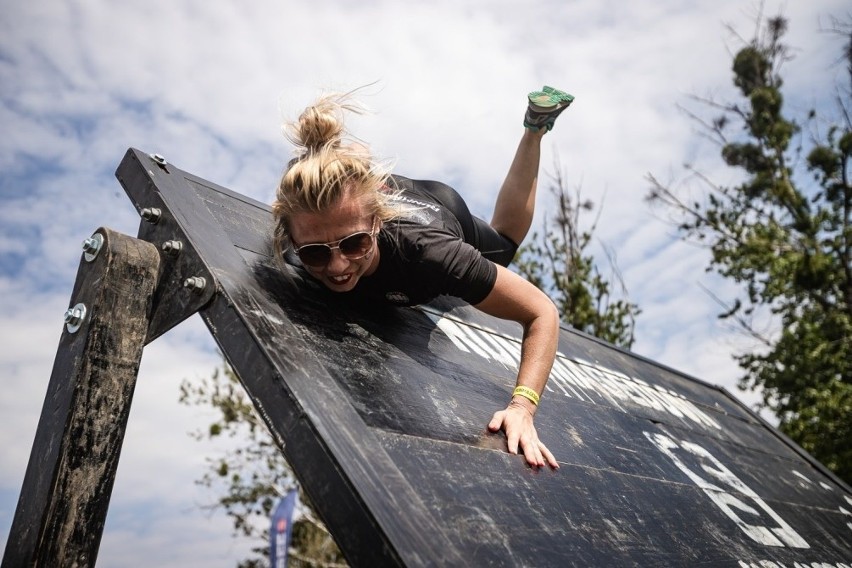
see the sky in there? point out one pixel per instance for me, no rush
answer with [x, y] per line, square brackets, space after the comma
[208, 85]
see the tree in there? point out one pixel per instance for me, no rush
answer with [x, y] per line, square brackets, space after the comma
[253, 475]
[559, 265]
[784, 235]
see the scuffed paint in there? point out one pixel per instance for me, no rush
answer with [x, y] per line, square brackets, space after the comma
[585, 381]
[847, 513]
[264, 315]
[802, 476]
[774, 564]
[782, 534]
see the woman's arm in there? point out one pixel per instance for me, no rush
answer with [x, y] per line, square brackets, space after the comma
[514, 298]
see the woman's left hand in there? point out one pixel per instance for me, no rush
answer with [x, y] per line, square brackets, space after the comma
[517, 422]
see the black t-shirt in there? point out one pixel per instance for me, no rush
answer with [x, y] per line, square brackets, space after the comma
[424, 255]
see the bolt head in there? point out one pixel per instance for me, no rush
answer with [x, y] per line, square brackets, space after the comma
[172, 247]
[151, 214]
[92, 246]
[195, 283]
[74, 317]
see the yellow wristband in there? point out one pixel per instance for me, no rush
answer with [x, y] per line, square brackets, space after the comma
[527, 393]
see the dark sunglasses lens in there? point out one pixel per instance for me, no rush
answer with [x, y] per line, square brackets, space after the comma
[356, 245]
[315, 255]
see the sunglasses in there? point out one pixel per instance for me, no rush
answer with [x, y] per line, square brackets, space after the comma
[355, 246]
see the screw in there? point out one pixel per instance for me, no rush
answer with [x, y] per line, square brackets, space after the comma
[92, 246]
[159, 159]
[74, 317]
[195, 283]
[172, 248]
[151, 214]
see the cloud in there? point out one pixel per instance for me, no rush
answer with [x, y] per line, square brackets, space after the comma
[208, 85]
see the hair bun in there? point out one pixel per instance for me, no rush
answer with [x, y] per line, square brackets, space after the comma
[321, 124]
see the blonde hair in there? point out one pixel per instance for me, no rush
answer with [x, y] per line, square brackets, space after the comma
[328, 167]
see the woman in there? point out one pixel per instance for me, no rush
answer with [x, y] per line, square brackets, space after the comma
[359, 230]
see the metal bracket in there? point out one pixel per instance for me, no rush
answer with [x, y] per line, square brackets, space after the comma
[174, 299]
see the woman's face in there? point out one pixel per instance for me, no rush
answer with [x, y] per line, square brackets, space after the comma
[346, 217]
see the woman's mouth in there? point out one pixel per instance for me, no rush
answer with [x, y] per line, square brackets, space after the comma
[342, 279]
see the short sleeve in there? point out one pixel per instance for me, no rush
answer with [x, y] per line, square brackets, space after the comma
[457, 268]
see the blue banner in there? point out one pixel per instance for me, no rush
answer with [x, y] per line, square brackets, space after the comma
[281, 530]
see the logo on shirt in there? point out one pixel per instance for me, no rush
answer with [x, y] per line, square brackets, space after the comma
[406, 199]
[397, 298]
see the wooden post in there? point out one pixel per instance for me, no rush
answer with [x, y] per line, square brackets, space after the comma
[65, 495]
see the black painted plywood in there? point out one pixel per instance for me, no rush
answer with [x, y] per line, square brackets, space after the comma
[382, 411]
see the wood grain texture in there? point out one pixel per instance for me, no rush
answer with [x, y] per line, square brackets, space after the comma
[66, 491]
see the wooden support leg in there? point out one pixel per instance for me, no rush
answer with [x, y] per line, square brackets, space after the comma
[65, 495]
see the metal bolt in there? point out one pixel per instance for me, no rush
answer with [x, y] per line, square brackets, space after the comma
[151, 214]
[92, 246]
[195, 283]
[159, 159]
[172, 248]
[74, 317]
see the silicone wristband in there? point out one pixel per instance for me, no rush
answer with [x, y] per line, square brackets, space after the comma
[527, 393]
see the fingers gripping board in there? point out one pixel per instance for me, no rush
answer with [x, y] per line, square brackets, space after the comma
[381, 412]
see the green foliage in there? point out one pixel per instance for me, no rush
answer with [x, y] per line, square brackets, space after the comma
[785, 234]
[253, 475]
[558, 264]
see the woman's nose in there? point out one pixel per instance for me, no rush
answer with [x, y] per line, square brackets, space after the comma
[338, 262]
